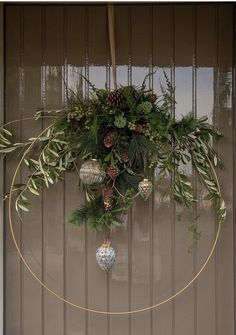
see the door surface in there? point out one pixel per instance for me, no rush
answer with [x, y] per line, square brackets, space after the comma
[45, 44]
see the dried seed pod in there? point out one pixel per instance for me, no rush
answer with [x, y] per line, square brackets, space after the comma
[152, 97]
[113, 172]
[107, 194]
[138, 128]
[109, 139]
[124, 156]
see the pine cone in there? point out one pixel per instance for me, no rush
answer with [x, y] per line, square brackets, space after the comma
[107, 195]
[124, 156]
[138, 128]
[116, 100]
[113, 172]
[109, 139]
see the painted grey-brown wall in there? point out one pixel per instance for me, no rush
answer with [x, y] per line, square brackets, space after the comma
[1, 167]
[194, 44]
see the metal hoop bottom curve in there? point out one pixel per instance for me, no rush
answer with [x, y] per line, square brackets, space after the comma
[76, 305]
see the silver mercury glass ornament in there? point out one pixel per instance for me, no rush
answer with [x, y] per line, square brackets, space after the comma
[106, 255]
[145, 188]
[91, 173]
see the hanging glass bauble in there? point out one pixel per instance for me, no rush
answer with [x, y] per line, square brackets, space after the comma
[91, 173]
[145, 188]
[106, 256]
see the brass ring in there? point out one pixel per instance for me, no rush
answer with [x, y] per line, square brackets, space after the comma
[89, 309]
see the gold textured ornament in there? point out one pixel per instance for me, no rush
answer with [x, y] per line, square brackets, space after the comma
[145, 188]
[91, 173]
[106, 255]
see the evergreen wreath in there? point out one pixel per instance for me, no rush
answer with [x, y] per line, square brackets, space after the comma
[130, 132]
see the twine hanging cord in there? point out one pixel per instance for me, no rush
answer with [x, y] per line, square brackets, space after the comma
[111, 28]
[76, 305]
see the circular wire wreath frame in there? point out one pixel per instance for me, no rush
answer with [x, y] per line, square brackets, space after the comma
[91, 310]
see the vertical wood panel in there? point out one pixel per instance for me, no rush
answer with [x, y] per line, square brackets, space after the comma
[97, 279]
[141, 211]
[119, 285]
[205, 61]
[2, 182]
[53, 207]
[184, 51]
[13, 265]
[122, 16]
[97, 45]
[234, 153]
[162, 225]
[225, 271]
[74, 197]
[193, 43]
[32, 221]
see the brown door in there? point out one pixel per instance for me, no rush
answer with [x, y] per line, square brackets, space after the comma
[194, 44]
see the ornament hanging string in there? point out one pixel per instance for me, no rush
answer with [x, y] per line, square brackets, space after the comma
[111, 28]
[104, 312]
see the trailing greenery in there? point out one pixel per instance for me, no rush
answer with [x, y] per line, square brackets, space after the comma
[130, 131]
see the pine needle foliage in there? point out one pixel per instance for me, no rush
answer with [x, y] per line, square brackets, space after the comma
[128, 130]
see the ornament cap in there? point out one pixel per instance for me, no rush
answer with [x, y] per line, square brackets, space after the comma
[106, 244]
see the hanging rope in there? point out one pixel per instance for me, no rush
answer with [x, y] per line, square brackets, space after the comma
[111, 28]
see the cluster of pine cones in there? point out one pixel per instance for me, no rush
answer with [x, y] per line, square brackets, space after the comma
[116, 99]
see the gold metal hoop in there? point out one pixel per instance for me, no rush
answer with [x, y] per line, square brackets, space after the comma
[89, 309]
